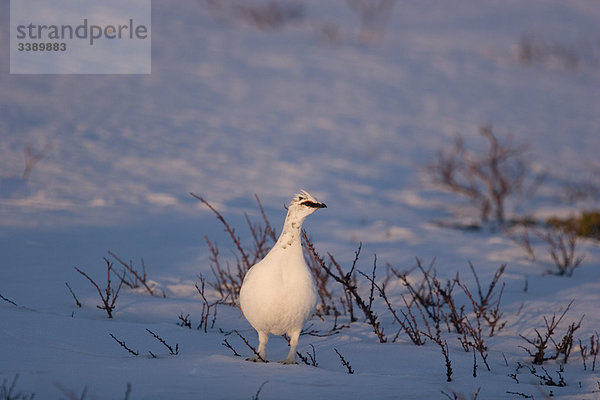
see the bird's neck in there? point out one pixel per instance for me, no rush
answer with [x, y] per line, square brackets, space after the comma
[290, 235]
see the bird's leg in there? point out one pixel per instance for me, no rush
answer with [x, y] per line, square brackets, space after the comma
[263, 338]
[291, 357]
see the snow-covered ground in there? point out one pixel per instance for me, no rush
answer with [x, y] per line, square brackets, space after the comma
[231, 110]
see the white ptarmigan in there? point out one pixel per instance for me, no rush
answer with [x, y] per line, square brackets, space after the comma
[278, 293]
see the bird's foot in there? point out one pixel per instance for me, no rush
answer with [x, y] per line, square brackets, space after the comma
[289, 361]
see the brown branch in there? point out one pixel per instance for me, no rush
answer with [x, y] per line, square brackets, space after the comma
[344, 362]
[109, 295]
[139, 277]
[31, 159]
[540, 342]
[171, 350]
[309, 359]
[123, 345]
[345, 281]
[250, 346]
[207, 306]
[8, 300]
[73, 294]
[230, 347]
[228, 229]
[268, 229]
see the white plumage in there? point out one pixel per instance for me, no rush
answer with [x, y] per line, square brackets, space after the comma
[278, 293]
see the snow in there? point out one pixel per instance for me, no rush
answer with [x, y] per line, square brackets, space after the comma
[229, 111]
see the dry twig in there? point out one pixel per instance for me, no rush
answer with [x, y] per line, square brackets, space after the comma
[77, 303]
[344, 362]
[108, 296]
[541, 341]
[172, 351]
[123, 345]
[250, 346]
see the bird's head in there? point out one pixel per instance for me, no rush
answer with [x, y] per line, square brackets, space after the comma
[304, 204]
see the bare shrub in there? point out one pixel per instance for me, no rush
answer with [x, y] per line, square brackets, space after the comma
[584, 188]
[109, 295]
[486, 310]
[486, 180]
[522, 237]
[335, 329]
[137, 279]
[433, 296]
[328, 304]
[31, 158]
[229, 280]
[459, 396]
[422, 292]
[374, 18]
[310, 358]
[8, 391]
[436, 304]
[71, 394]
[184, 321]
[561, 246]
[266, 15]
[487, 307]
[408, 323]
[206, 306]
[428, 296]
[546, 379]
[436, 335]
[366, 306]
[542, 341]
[269, 15]
[592, 351]
[534, 49]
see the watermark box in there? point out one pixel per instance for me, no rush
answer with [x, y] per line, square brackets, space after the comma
[80, 37]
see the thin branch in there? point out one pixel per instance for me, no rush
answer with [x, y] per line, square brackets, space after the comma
[270, 231]
[344, 362]
[540, 342]
[171, 350]
[310, 359]
[230, 347]
[123, 345]
[228, 229]
[31, 159]
[8, 301]
[73, 294]
[255, 397]
[109, 295]
[139, 277]
[250, 346]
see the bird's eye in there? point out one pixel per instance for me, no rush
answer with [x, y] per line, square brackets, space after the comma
[312, 204]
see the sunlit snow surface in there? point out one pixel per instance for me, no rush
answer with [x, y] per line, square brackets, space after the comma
[230, 111]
